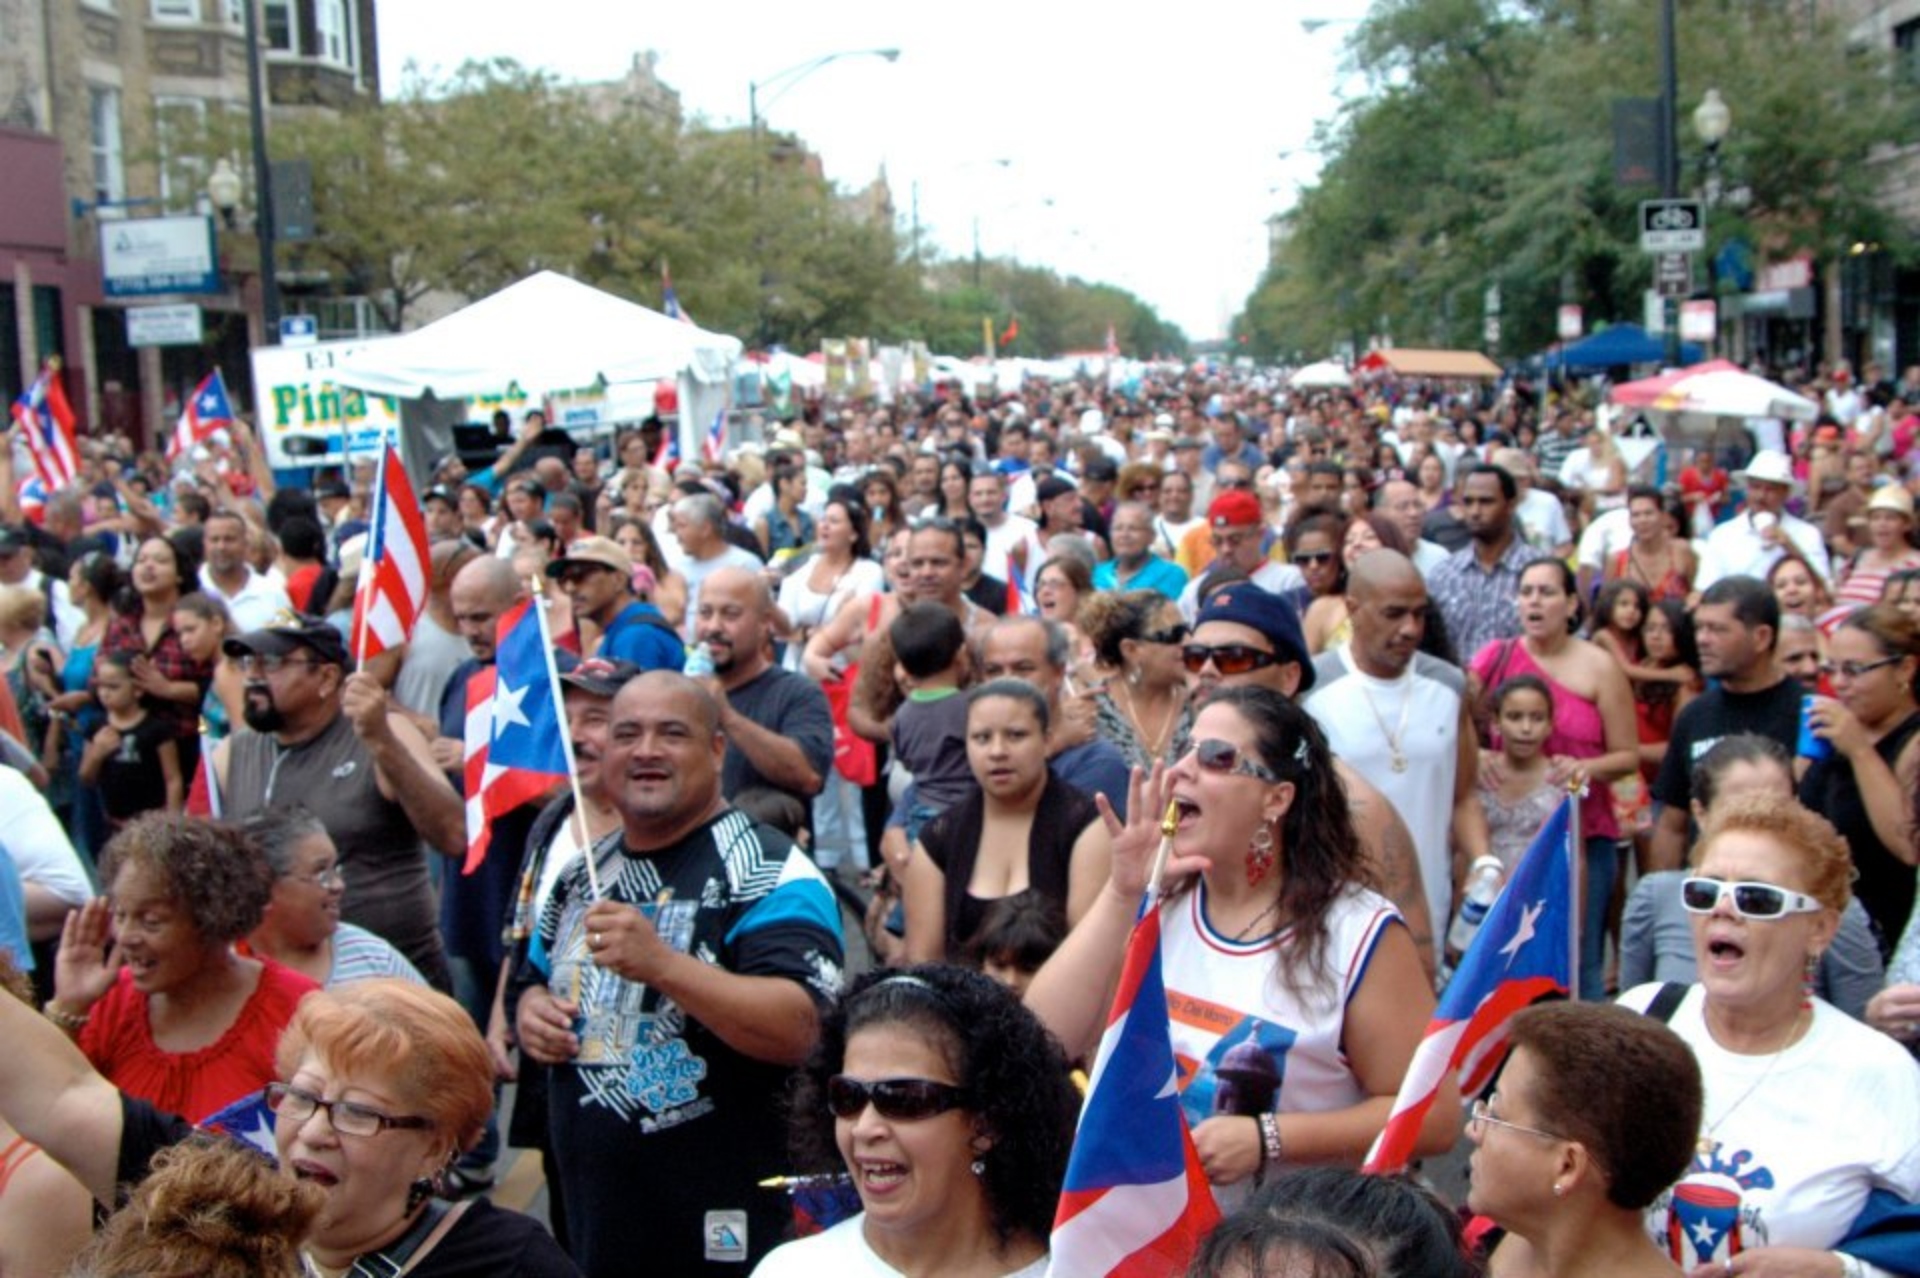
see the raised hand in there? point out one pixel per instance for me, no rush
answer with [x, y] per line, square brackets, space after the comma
[88, 960]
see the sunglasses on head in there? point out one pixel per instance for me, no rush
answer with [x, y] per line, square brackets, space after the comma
[900, 1099]
[1228, 658]
[1750, 900]
[1227, 758]
[1172, 634]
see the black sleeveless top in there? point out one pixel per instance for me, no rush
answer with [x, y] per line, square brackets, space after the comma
[1886, 884]
[952, 841]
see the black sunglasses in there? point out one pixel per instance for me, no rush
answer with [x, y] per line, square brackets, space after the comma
[1228, 658]
[1312, 556]
[901, 1099]
[1172, 634]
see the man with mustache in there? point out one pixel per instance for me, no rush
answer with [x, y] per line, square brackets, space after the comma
[672, 987]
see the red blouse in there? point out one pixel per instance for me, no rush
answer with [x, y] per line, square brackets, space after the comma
[118, 1039]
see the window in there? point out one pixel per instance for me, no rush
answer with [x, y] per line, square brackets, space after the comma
[104, 6]
[109, 166]
[234, 13]
[330, 30]
[283, 31]
[1906, 54]
[176, 10]
[181, 138]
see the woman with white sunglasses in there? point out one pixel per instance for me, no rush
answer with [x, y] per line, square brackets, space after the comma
[1807, 1110]
[1295, 990]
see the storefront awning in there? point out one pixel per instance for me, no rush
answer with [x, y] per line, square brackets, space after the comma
[1404, 362]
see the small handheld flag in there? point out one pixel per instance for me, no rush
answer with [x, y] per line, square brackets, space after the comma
[515, 739]
[1524, 952]
[393, 582]
[207, 410]
[47, 428]
[670, 300]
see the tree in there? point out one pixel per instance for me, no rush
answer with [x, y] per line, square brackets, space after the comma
[1483, 157]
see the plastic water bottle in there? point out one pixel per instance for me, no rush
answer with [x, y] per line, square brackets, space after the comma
[699, 662]
[1484, 880]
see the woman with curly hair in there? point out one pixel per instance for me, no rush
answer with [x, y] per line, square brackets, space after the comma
[147, 979]
[949, 1106]
[1137, 637]
[1300, 991]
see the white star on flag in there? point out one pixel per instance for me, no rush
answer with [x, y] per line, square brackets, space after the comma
[1703, 1233]
[506, 708]
[1524, 932]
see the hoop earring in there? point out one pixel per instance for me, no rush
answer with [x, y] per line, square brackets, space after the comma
[1260, 856]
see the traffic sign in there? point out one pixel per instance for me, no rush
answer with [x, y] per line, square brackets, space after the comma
[1672, 226]
[299, 330]
[1673, 274]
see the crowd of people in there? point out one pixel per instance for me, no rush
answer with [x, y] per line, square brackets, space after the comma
[877, 727]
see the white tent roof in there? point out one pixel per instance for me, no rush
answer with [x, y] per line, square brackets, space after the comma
[545, 333]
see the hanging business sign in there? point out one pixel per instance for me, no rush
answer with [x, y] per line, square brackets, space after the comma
[164, 325]
[150, 256]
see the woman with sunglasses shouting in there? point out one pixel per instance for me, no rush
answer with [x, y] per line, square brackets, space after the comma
[948, 1106]
[1807, 1110]
[1296, 992]
[1862, 783]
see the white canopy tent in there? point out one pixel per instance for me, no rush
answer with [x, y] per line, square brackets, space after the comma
[549, 333]
[1324, 375]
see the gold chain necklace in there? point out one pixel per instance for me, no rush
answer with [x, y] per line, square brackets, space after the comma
[1157, 741]
[1396, 748]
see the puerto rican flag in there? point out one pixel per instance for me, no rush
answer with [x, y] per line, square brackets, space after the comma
[246, 1120]
[393, 581]
[47, 426]
[516, 748]
[207, 411]
[667, 456]
[1135, 1203]
[670, 300]
[714, 445]
[1524, 952]
[32, 494]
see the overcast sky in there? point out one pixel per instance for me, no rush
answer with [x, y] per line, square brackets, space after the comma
[1142, 147]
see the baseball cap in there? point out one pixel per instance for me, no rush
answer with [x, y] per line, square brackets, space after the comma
[287, 633]
[1052, 486]
[439, 492]
[599, 676]
[328, 488]
[1233, 509]
[1248, 605]
[599, 552]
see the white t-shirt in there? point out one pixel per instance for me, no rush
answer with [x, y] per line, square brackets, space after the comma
[1223, 996]
[1273, 577]
[698, 570]
[1605, 537]
[1735, 548]
[1543, 520]
[252, 606]
[809, 609]
[40, 848]
[1795, 1141]
[1012, 531]
[842, 1252]
[1421, 709]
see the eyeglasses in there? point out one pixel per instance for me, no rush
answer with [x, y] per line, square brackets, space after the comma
[325, 880]
[1226, 758]
[1232, 483]
[904, 1100]
[1228, 658]
[268, 664]
[1172, 634]
[1750, 900]
[1305, 557]
[1855, 669]
[348, 1119]
[1479, 1115]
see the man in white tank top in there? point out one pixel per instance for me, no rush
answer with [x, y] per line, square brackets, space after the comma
[1399, 717]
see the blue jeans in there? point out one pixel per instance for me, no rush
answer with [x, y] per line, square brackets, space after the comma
[1603, 864]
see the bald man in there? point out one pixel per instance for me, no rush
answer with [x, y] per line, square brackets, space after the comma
[1400, 718]
[778, 727]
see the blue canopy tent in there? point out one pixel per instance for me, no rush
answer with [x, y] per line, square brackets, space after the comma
[1613, 346]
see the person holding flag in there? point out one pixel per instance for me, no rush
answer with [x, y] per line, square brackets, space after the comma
[1295, 994]
[208, 410]
[47, 429]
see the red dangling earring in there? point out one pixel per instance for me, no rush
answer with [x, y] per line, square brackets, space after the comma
[1260, 856]
[1807, 977]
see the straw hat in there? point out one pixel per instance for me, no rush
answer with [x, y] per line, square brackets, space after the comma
[1892, 497]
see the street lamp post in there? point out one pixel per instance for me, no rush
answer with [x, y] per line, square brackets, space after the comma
[1669, 162]
[781, 82]
[262, 176]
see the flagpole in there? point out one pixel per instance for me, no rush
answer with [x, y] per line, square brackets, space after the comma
[376, 535]
[566, 739]
[1577, 851]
